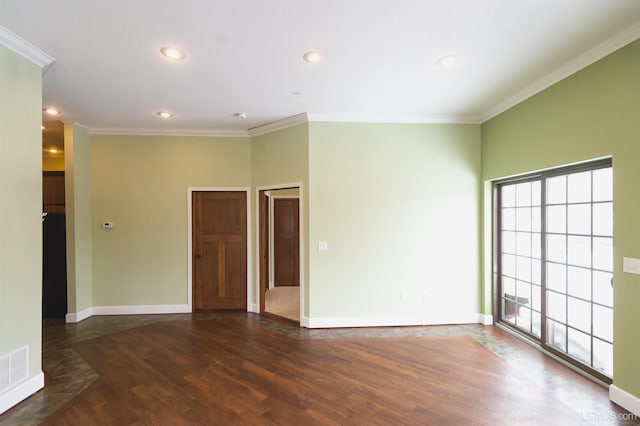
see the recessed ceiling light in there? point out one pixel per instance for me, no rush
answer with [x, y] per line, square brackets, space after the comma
[164, 114]
[172, 53]
[52, 111]
[447, 61]
[240, 114]
[312, 57]
[53, 151]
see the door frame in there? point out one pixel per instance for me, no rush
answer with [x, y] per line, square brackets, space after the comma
[259, 189]
[190, 191]
[272, 199]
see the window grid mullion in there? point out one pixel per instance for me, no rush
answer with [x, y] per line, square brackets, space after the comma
[542, 287]
[591, 360]
[566, 259]
[543, 259]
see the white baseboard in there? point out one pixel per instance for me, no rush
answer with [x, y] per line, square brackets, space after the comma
[137, 310]
[22, 391]
[486, 319]
[79, 316]
[127, 310]
[392, 321]
[304, 322]
[141, 309]
[318, 322]
[624, 399]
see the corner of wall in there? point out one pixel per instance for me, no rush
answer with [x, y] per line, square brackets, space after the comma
[79, 217]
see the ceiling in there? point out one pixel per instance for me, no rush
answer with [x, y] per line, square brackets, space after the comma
[379, 58]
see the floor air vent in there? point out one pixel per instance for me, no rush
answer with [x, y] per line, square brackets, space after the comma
[14, 368]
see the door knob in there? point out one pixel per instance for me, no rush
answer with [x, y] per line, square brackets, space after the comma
[197, 256]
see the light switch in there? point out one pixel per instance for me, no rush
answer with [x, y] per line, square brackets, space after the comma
[631, 265]
[323, 246]
[107, 225]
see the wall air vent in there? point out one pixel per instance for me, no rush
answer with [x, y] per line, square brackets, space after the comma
[14, 368]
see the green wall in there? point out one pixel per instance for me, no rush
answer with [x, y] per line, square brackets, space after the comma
[282, 157]
[140, 183]
[398, 205]
[78, 218]
[592, 114]
[383, 191]
[20, 207]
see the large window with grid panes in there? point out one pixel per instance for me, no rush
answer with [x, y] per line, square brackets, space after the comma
[554, 269]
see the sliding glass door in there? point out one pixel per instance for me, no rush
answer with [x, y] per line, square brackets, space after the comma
[554, 248]
[521, 255]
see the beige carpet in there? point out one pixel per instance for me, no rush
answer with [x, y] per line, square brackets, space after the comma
[284, 302]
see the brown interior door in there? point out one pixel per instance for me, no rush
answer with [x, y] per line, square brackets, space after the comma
[286, 242]
[53, 192]
[219, 250]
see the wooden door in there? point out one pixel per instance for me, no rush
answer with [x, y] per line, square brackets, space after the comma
[219, 250]
[53, 192]
[286, 242]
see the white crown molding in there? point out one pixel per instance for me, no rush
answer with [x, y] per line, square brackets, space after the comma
[279, 125]
[286, 123]
[222, 133]
[75, 123]
[25, 49]
[426, 119]
[592, 55]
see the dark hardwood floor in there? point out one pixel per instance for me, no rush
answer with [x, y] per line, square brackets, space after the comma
[246, 369]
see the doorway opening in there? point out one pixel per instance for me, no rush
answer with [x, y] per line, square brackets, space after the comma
[54, 246]
[280, 249]
[54, 251]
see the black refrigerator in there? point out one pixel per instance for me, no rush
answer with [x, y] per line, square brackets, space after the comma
[54, 266]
